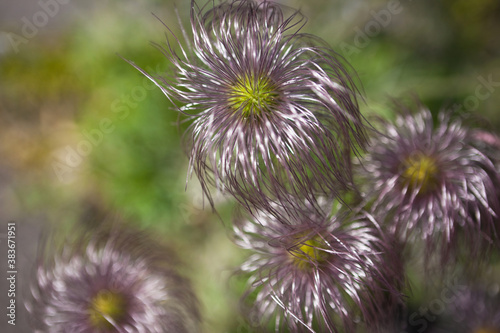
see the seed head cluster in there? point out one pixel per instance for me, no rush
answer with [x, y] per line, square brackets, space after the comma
[274, 122]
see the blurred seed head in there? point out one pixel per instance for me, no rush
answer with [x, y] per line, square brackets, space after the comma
[319, 274]
[111, 281]
[274, 111]
[431, 182]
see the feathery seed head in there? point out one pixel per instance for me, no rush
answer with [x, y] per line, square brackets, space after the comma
[431, 182]
[115, 281]
[319, 273]
[274, 111]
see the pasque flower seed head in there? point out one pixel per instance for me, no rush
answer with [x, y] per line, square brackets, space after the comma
[319, 273]
[115, 281]
[274, 111]
[431, 182]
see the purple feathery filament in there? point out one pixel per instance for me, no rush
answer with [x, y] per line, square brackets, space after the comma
[319, 274]
[431, 182]
[111, 282]
[274, 111]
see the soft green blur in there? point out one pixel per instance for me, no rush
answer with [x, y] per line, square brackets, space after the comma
[87, 137]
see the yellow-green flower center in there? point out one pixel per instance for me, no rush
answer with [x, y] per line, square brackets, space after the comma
[309, 252]
[420, 173]
[107, 307]
[252, 95]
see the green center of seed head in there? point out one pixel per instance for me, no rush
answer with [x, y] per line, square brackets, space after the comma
[107, 305]
[309, 252]
[420, 172]
[253, 95]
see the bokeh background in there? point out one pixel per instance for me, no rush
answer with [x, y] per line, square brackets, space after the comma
[84, 137]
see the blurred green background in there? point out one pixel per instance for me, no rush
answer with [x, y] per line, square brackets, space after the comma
[84, 136]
